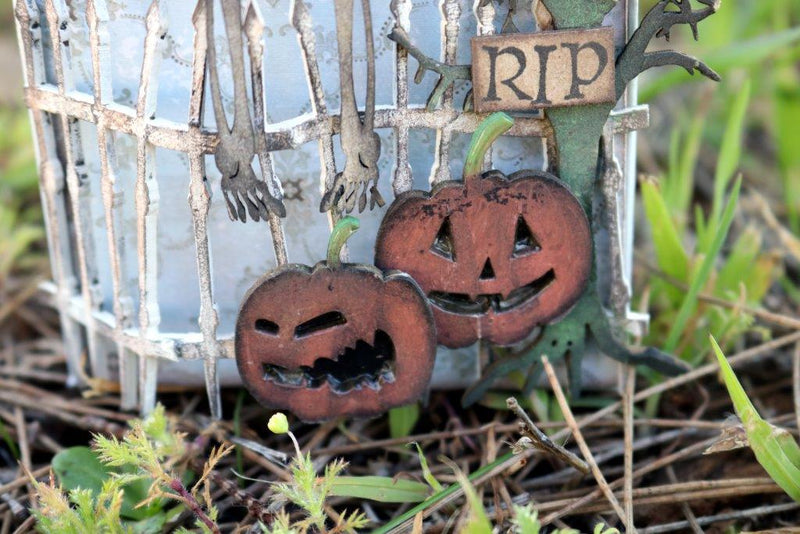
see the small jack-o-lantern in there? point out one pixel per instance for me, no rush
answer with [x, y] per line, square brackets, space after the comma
[495, 255]
[335, 340]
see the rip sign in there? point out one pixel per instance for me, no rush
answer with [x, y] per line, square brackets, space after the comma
[519, 72]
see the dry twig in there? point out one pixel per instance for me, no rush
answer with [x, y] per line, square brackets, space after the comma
[627, 410]
[576, 432]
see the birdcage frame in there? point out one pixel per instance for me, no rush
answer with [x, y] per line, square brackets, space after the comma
[127, 344]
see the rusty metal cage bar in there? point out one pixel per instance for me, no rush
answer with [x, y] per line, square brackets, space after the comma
[56, 107]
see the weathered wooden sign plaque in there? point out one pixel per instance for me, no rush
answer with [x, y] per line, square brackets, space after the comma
[518, 72]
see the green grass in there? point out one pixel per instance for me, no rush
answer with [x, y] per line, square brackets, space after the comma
[760, 42]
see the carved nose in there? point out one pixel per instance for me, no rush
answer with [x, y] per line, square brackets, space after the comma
[487, 273]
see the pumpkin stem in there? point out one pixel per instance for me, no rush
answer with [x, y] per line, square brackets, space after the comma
[490, 129]
[341, 232]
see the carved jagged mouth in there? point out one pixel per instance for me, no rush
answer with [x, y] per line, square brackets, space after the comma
[461, 303]
[365, 365]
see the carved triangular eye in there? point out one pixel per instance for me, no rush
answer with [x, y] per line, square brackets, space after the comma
[443, 243]
[488, 271]
[524, 240]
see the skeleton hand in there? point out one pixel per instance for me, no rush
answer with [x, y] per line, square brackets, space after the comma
[361, 168]
[244, 192]
[360, 144]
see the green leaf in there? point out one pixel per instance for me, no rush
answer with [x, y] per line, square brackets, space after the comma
[679, 183]
[746, 265]
[381, 489]
[786, 106]
[774, 448]
[478, 522]
[134, 493]
[730, 151]
[150, 525]
[670, 254]
[402, 420]
[426, 472]
[699, 280]
[81, 468]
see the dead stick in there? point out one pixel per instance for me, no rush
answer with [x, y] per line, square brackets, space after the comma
[668, 490]
[730, 516]
[627, 411]
[576, 432]
[503, 428]
[765, 315]
[24, 445]
[722, 493]
[686, 378]
[540, 440]
[94, 424]
[652, 466]
[23, 480]
[26, 525]
[687, 510]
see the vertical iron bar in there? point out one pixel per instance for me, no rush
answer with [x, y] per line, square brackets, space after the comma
[199, 201]
[301, 21]
[254, 31]
[52, 182]
[403, 178]
[112, 193]
[78, 185]
[629, 165]
[147, 206]
[451, 11]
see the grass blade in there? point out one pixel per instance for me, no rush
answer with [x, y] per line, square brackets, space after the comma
[381, 489]
[670, 254]
[426, 471]
[775, 449]
[699, 280]
[730, 151]
[398, 521]
[478, 522]
[402, 420]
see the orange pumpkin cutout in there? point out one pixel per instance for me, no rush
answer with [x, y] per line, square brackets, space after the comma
[335, 340]
[495, 255]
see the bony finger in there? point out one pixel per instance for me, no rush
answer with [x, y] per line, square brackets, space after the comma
[231, 207]
[376, 197]
[240, 209]
[362, 201]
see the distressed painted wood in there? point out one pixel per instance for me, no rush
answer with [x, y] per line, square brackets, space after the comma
[496, 255]
[352, 341]
[521, 72]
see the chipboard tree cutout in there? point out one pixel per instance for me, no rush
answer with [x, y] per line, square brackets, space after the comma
[578, 132]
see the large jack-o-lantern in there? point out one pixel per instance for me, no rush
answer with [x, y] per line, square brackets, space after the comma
[335, 340]
[495, 255]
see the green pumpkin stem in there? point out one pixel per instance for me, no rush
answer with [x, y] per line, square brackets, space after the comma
[490, 129]
[341, 232]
